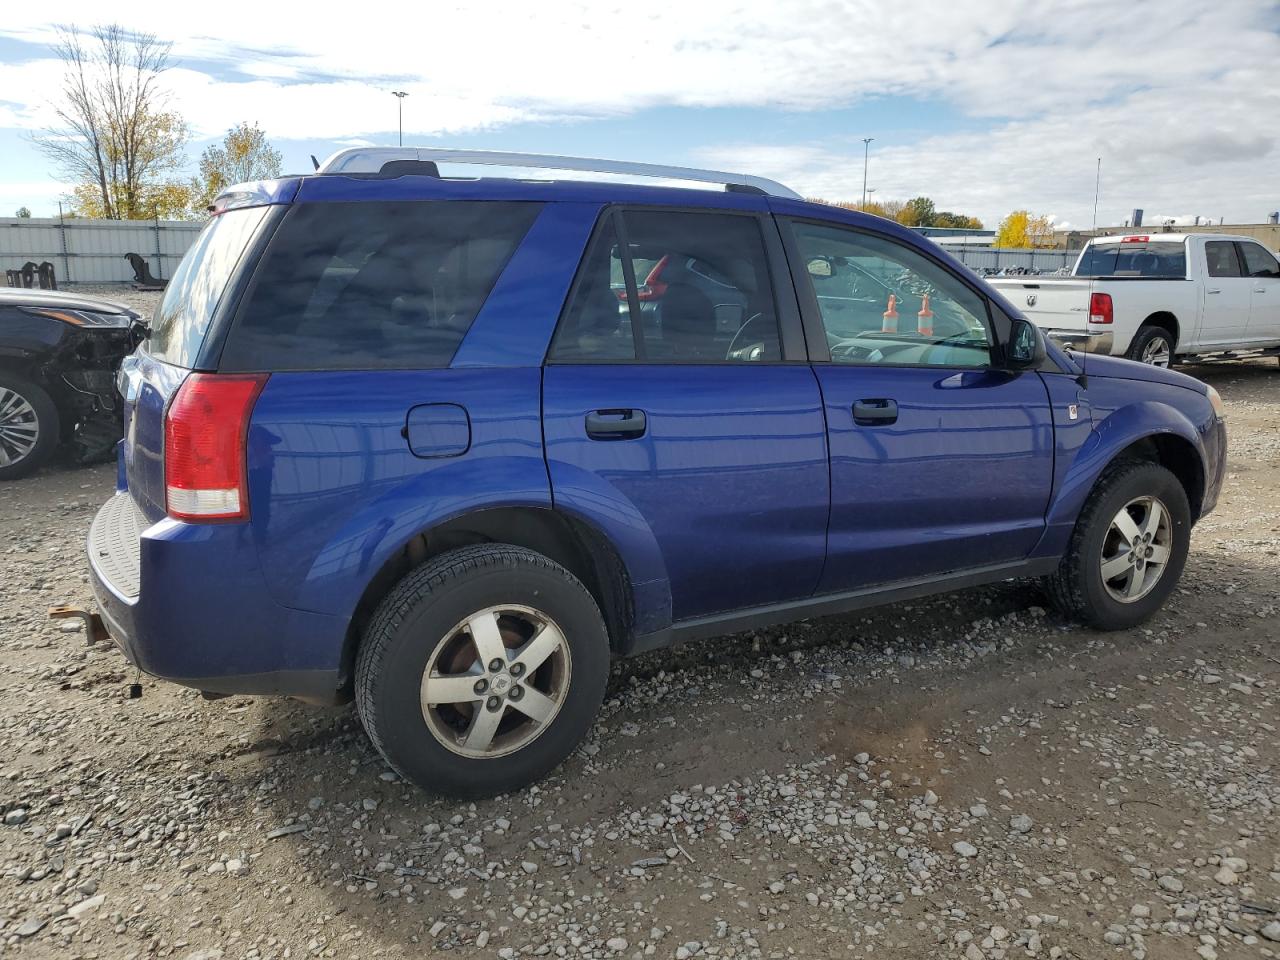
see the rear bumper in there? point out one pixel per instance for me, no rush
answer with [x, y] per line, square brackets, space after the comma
[1083, 341]
[188, 603]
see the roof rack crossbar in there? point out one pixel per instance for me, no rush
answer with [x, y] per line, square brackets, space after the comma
[372, 159]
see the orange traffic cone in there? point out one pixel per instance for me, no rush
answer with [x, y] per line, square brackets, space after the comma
[924, 319]
[890, 324]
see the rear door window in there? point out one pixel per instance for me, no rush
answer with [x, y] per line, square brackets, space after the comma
[703, 292]
[1220, 256]
[372, 285]
[1155, 260]
[182, 319]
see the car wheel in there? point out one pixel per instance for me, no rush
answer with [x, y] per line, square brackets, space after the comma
[1152, 345]
[1127, 550]
[28, 427]
[482, 670]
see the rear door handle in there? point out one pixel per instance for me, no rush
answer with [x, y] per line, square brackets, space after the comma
[616, 424]
[871, 413]
[1214, 290]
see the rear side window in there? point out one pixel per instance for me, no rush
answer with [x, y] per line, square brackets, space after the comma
[702, 292]
[1220, 256]
[355, 286]
[182, 319]
[1157, 260]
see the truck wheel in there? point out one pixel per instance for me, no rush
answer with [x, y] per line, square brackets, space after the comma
[28, 427]
[482, 670]
[1152, 345]
[1127, 550]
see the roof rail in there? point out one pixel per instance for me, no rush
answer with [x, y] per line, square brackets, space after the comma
[371, 160]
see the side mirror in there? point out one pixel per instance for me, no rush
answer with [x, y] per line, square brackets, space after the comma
[1025, 348]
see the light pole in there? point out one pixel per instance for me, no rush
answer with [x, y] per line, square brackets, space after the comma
[866, 154]
[400, 95]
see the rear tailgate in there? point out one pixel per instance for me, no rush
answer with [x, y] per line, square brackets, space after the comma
[1057, 303]
[149, 378]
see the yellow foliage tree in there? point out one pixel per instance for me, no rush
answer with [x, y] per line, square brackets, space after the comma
[1021, 229]
[243, 155]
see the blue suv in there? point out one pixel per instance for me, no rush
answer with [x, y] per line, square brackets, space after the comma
[446, 445]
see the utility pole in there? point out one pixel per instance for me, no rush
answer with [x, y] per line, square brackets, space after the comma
[866, 154]
[400, 95]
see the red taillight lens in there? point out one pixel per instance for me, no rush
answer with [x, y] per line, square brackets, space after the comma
[653, 287]
[1100, 308]
[205, 446]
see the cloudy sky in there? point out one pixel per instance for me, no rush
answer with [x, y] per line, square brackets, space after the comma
[985, 107]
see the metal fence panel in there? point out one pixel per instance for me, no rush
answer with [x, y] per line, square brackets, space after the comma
[983, 259]
[92, 251]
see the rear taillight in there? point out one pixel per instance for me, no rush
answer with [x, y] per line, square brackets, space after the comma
[205, 446]
[1100, 308]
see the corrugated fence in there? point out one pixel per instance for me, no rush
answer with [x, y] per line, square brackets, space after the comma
[93, 251]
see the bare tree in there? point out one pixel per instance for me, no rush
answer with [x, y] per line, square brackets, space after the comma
[117, 140]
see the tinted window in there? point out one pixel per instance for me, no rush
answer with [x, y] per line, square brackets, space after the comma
[1258, 262]
[703, 293]
[1220, 255]
[349, 286]
[882, 302]
[1165, 260]
[182, 319]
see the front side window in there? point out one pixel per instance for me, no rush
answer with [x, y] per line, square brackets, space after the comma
[1258, 262]
[702, 292]
[882, 302]
[371, 285]
[1220, 255]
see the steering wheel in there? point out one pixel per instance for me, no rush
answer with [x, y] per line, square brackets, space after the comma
[742, 346]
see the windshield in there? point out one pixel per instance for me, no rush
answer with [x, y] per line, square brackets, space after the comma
[1160, 260]
[182, 319]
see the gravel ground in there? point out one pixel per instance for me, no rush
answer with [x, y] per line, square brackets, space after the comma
[963, 777]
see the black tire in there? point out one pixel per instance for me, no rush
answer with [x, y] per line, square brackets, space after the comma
[46, 423]
[1077, 588]
[416, 619]
[1144, 339]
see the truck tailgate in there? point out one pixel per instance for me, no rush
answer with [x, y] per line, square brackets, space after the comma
[1051, 303]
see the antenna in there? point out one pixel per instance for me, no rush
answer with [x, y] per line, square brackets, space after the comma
[1097, 188]
[315, 164]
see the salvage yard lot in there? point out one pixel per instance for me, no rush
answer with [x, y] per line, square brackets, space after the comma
[966, 776]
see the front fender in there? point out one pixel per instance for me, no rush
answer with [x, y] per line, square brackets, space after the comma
[1111, 435]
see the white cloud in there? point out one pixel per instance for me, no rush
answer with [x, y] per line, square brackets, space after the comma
[1179, 97]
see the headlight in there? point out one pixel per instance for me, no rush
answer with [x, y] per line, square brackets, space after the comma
[83, 318]
[1215, 401]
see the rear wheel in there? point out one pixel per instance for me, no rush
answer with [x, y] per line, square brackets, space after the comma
[1152, 345]
[28, 427]
[1128, 548]
[482, 670]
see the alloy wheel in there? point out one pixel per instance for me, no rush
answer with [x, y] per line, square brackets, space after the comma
[1136, 549]
[496, 681]
[19, 427]
[1157, 352]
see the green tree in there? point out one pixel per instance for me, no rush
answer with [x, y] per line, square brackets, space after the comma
[243, 155]
[918, 212]
[1021, 229]
[116, 142]
[23, 213]
[956, 221]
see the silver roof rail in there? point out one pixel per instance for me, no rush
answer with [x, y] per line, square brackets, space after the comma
[371, 159]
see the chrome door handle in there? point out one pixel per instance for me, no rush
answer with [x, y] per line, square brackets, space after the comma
[1212, 291]
[1259, 289]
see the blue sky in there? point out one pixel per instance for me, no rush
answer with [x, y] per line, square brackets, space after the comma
[984, 107]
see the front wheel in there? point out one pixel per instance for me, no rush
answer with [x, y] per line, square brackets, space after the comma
[482, 670]
[1127, 550]
[28, 427]
[1152, 345]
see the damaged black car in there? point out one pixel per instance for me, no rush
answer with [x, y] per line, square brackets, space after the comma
[59, 354]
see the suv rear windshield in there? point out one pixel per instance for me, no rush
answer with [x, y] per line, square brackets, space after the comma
[182, 319]
[1160, 260]
[369, 285]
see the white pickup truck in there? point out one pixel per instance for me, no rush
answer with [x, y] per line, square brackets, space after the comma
[1159, 298]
